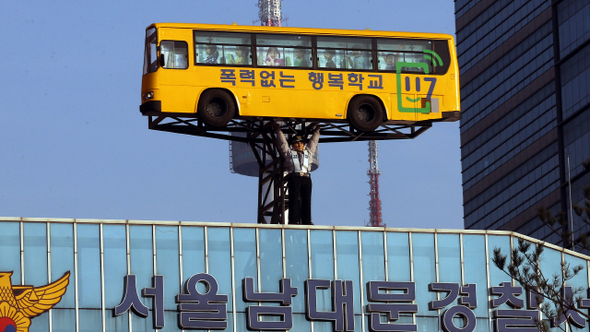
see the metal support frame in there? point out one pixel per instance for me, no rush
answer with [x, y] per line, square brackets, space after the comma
[330, 132]
[272, 189]
[272, 182]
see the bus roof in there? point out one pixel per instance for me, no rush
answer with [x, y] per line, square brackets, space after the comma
[304, 31]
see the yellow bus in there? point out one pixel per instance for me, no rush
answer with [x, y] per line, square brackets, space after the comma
[218, 73]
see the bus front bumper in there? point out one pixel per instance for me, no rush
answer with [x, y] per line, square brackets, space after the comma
[151, 107]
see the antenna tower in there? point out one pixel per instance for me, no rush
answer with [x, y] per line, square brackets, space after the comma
[373, 173]
[269, 12]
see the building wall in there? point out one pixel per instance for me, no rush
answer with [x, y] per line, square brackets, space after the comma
[100, 254]
[525, 89]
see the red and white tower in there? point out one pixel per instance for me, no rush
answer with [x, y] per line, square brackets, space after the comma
[269, 12]
[375, 201]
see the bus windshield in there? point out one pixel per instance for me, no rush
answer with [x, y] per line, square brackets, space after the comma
[150, 62]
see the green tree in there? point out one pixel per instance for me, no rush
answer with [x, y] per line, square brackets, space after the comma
[551, 292]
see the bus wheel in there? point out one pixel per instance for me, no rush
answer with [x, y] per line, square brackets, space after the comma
[216, 108]
[365, 113]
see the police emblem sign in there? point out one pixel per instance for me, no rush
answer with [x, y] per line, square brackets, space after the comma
[19, 304]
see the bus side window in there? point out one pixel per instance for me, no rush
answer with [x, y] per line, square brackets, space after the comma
[357, 59]
[237, 55]
[270, 56]
[329, 58]
[174, 54]
[388, 60]
[416, 61]
[208, 54]
[283, 50]
[298, 57]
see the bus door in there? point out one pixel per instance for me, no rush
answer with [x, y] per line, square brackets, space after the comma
[176, 79]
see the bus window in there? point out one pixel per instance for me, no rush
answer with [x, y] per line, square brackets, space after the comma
[207, 54]
[150, 58]
[175, 54]
[416, 54]
[410, 52]
[349, 53]
[357, 59]
[236, 55]
[388, 60]
[413, 60]
[301, 57]
[284, 50]
[222, 47]
[270, 56]
[330, 59]
[441, 53]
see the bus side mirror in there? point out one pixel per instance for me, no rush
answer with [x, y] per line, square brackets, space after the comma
[162, 61]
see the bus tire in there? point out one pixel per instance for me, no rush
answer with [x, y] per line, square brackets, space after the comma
[365, 113]
[216, 108]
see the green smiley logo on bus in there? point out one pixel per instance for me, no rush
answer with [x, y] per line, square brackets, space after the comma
[417, 103]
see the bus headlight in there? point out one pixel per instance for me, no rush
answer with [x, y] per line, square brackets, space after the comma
[147, 96]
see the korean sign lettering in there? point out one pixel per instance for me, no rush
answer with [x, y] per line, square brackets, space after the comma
[284, 312]
[342, 303]
[387, 302]
[390, 303]
[202, 311]
[315, 80]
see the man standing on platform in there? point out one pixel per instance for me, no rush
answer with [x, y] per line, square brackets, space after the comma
[298, 158]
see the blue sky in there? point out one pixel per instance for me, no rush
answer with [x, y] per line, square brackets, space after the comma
[74, 144]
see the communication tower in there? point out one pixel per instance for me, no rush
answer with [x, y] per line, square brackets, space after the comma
[375, 201]
[269, 12]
